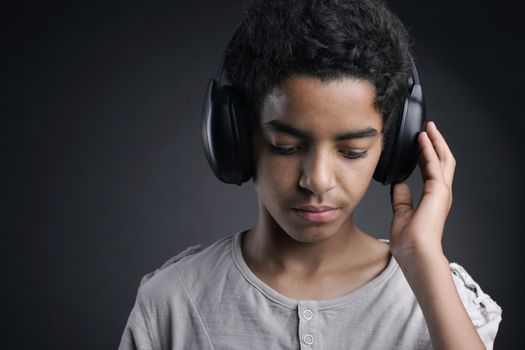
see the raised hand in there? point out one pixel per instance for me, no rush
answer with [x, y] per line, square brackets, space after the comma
[420, 230]
[415, 242]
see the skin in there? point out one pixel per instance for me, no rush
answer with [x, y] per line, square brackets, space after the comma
[320, 260]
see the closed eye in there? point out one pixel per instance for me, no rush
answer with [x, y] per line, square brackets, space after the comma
[286, 151]
[354, 155]
[283, 151]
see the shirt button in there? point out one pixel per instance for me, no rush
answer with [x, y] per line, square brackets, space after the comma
[307, 314]
[308, 339]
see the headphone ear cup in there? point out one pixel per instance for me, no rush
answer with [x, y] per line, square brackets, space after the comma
[401, 152]
[382, 173]
[414, 122]
[242, 125]
[225, 136]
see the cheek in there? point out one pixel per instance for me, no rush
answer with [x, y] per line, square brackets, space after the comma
[275, 185]
[277, 172]
[356, 177]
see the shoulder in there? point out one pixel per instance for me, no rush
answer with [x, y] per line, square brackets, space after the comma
[473, 297]
[178, 276]
[165, 314]
[484, 312]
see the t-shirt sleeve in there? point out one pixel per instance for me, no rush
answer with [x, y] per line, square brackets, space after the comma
[136, 335]
[139, 334]
[484, 312]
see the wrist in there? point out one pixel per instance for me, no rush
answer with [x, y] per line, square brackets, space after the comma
[414, 256]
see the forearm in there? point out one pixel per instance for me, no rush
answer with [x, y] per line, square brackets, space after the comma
[449, 325]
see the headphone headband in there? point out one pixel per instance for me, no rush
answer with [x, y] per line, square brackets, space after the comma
[227, 142]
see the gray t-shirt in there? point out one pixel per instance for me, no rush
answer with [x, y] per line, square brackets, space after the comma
[208, 298]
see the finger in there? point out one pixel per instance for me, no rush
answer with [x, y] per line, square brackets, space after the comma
[447, 160]
[402, 208]
[429, 160]
[441, 146]
[401, 198]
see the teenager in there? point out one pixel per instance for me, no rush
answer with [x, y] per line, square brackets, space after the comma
[322, 84]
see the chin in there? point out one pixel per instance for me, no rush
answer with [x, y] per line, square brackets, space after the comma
[312, 233]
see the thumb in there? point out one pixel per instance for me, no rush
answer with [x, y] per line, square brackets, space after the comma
[402, 206]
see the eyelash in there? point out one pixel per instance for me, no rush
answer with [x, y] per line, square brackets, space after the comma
[290, 151]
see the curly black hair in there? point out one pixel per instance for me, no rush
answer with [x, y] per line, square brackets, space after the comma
[326, 39]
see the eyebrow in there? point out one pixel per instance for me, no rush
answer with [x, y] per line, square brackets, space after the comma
[279, 126]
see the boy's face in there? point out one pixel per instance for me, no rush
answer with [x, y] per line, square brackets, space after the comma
[316, 144]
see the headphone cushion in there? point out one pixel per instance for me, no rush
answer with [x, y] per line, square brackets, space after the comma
[408, 147]
[225, 137]
[401, 149]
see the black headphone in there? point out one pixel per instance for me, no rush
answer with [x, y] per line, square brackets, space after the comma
[226, 133]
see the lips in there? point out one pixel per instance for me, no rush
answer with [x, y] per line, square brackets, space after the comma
[316, 213]
[315, 209]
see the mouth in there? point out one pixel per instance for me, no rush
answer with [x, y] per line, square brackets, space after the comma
[316, 214]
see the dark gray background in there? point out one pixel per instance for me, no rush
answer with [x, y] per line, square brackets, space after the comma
[106, 178]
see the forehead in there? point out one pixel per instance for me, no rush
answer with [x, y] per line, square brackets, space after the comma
[323, 107]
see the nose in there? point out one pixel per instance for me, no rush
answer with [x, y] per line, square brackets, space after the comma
[317, 174]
